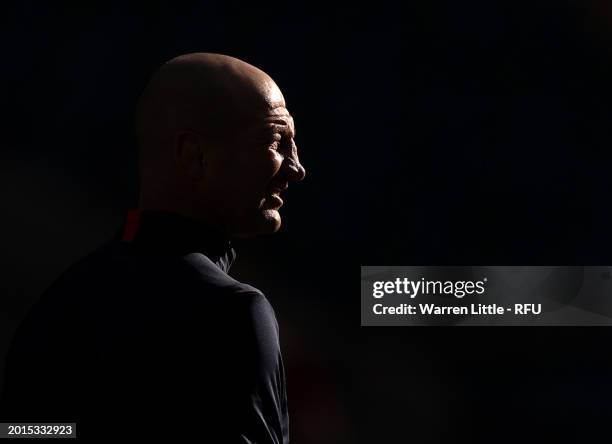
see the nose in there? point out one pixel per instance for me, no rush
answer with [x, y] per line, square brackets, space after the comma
[294, 169]
[292, 166]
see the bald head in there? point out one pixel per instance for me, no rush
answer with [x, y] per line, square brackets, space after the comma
[194, 122]
[205, 92]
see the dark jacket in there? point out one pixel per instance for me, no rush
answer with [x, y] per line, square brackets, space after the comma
[149, 337]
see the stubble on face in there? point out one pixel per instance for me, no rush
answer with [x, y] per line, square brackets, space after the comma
[263, 147]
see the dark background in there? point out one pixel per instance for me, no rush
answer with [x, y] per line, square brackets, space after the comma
[473, 132]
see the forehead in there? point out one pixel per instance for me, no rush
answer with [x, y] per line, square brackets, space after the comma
[275, 118]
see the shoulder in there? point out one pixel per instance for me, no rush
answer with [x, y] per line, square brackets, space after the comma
[247, 305]
[112, 283]
[200, 269]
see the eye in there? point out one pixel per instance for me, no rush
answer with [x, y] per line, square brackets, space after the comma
[275, 142]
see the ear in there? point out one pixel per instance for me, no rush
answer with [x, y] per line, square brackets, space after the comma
[190, 154]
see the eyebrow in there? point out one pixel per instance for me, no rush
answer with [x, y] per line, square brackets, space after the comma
[284, 121]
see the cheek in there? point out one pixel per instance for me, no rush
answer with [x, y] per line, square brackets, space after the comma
[246, 182]
[275, 161]
[262, 168]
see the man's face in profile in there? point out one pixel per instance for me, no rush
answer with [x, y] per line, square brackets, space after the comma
[259, 163]
[216, 144]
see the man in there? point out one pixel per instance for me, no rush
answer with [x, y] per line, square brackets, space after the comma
[149, 336]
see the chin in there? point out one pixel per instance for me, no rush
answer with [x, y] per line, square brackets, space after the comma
[271, 222]
[266, 222]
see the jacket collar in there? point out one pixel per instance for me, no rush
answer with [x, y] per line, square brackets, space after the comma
[166, 232]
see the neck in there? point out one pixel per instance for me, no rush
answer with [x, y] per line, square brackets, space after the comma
[165, 232]
[183, 207]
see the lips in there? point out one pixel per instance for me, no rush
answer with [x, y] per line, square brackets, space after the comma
[273, 201]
